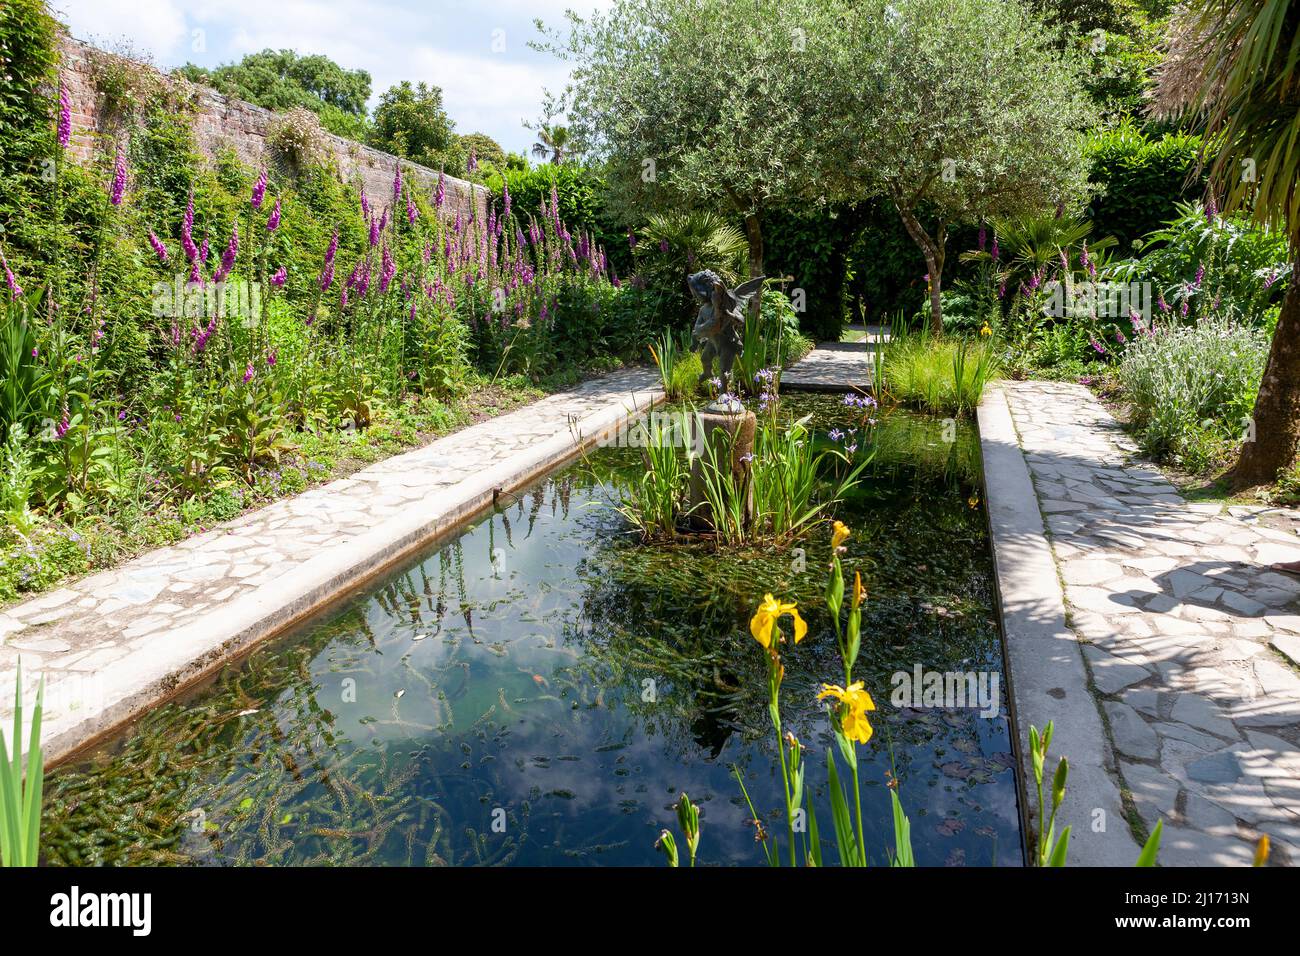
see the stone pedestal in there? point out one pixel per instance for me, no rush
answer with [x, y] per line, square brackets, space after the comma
[724, 429]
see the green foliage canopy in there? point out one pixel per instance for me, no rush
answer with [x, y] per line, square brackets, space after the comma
[282, 79]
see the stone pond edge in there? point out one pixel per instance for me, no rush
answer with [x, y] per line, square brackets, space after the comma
[1046, 679]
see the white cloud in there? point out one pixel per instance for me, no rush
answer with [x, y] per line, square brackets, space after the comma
[446, 43]
[153, 27]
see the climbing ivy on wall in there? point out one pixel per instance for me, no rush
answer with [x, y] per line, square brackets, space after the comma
[27, 72]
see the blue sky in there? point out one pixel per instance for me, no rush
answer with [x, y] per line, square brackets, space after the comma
[448, 43]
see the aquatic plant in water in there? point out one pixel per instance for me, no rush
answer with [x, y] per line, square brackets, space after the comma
[850, 725]
[20, 806]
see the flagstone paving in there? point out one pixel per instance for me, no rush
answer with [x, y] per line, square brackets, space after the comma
[108, 643]
[836, 366]
[1191, 641]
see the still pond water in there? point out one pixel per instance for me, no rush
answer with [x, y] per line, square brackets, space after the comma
[543, 672]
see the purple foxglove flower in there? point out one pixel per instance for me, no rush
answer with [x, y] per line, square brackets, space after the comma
[983, 237]
[383, 220]
[327, 277]
[1270, 279]
[1161, 303]
[1200, 274]
[248, 373]
[65, 117]
[441, 195]
[15, 290]
[994, 252]
[374, 233]
[397, 181]
[187, 232]
[472, 165]
[387, 270]
[203, 250]
[333, 248]
[505, 200]
[118, 187]
[271, 358]
[278, 279]
[343, 298]
[273, 221]
[259, 190]
[1211, 211]
[411, 212]
[365, 205]
[229, 256]
[158, 247]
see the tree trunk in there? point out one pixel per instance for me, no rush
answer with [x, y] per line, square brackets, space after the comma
[754, 233]
[932, 249]
[936, 303]
[1277, 409]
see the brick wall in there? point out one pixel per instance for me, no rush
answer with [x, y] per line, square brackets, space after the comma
[220, 122]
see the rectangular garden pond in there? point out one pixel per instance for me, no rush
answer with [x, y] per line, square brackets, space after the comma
[538, 689]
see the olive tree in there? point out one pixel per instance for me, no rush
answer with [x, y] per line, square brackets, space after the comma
[958, 111]
[709, 103]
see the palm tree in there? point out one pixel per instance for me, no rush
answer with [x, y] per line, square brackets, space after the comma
[552, 141]
[1234, 66]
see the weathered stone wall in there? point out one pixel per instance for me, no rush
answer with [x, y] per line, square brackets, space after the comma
[220, 123]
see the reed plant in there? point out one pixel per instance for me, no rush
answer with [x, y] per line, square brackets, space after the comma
[944, 375]
[20, 806]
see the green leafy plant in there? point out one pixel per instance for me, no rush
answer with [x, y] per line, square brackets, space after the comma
[1191, 388]
[25, 383]
[20, 800]
[1051, 849]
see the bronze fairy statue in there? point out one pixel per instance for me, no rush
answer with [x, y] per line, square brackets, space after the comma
[720, 322]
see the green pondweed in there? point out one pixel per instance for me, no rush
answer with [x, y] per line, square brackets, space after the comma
[20, 806]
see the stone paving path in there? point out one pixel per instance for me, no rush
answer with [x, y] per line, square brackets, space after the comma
[835, 366]
[102, 638]
[1191, 641]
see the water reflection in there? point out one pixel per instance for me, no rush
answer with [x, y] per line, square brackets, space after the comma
[538, 690]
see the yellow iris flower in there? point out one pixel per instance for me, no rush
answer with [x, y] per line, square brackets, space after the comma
[859, 592]
[985, 330]
[839, 532]
[853, 718]
[765, 618]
